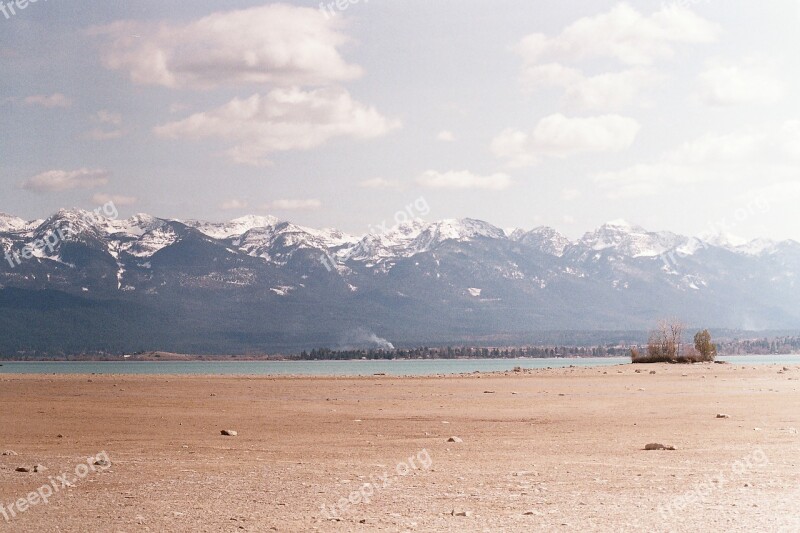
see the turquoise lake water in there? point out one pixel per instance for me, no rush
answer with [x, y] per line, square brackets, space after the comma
[341, 368]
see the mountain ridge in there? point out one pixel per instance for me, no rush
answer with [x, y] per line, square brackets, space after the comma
[259, 283]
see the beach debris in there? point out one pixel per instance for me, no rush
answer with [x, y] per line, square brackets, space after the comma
[59, 436]
[652, 372]
[723, 415]
[23, 469]
[454, 439]
[10, 452]
[658, 446]
[39, 468]
[229, 433]
[531, 513]
[461, 513]
[488, 392]
[102, 463]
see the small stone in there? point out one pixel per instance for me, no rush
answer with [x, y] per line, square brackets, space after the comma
[10, 452]
[652, 372]
[658, 446]
[102, 463]
[229, 433]
[39, 468]
[23, 469]
[488, 392]
[461, 513]
[454, 439]
[723, 415]
[59, 436]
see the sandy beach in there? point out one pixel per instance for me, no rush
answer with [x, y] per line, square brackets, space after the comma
[559, 449]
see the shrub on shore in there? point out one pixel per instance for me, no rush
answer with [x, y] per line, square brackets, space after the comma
[665, 346]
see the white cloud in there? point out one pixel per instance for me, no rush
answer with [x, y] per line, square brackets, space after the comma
[49, 101]
[308, 204]
[445, 136]
[117, 199]
[751, 82]
[767, 152]
[275, 44]
[560, 136]
[379, 183]
[62, 180]
[233, 204]
[108, 117]
[99, 134]
[612, 90]
[623, 34]
[283, 119]
[570, 194]
[463, 179]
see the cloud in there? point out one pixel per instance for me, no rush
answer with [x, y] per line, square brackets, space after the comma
[62, 180]
[445, 136]
[233, 204]
[622, 34]
[768, 151]
[463, 180]
[379, 183]
[99, 134]
[570, 194]
[612, 90]
[751, 82]
[275, 44]
[117, 199]
[105, 117]
[560, 136]
[283, 119]
[108, 117]
[308, 204]
[49, 101]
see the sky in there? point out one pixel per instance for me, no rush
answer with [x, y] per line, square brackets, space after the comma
[676, 115]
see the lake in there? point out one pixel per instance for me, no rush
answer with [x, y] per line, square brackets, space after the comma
[341, 368]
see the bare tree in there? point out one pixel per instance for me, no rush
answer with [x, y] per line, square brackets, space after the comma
[665, 343]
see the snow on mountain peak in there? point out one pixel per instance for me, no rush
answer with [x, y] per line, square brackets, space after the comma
[631, 240]
[233, 228]
[11, 223]
[546, 239]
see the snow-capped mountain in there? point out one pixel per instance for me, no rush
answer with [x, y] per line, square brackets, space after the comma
[257, 283]
[10, 223]
[543, 238]
[630, 240]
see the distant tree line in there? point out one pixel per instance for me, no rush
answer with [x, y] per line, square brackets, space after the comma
[468, 352]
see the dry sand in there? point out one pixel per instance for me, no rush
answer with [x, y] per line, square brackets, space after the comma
[548, 450]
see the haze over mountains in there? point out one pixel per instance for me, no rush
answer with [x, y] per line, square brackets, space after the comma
[258, 284]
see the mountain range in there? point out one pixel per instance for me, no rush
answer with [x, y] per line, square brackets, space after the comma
[258, 284]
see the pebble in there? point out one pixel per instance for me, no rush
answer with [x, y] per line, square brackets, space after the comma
[10, 452]
[722, 415]
[454, 439]
[229, 433]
